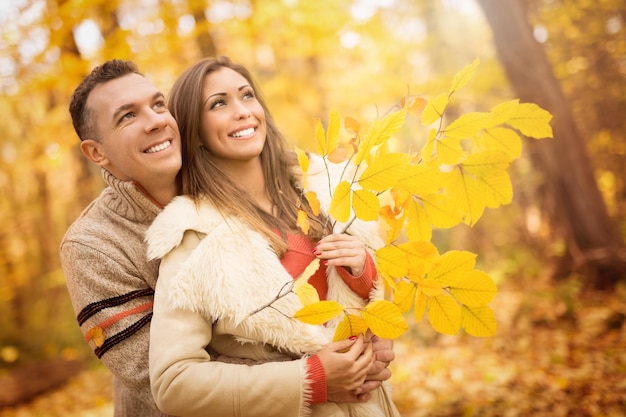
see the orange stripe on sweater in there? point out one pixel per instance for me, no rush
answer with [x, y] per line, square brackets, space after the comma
[119, 316]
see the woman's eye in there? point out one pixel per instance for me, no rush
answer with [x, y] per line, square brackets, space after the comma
[218, 103]
[248, 94]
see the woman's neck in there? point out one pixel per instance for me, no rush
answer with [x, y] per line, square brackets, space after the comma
[248, 175]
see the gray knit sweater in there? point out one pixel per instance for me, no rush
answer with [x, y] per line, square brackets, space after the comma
[111, 286]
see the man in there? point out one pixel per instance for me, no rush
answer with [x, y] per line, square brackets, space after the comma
[125, 128]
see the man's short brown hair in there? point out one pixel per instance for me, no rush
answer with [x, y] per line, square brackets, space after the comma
[82, 118]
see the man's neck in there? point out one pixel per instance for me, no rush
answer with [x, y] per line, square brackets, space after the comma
[161, 195]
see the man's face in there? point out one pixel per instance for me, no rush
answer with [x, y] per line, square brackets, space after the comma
[139, 138]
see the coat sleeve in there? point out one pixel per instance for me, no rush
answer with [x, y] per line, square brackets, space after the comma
[107, 295]
[187, 382]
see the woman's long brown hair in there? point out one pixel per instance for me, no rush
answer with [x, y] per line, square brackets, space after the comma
[201, 179]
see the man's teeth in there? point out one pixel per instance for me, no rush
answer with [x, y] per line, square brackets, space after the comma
[157, 148]
[244, 132]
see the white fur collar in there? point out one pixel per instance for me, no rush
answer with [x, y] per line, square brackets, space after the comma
[234, 271]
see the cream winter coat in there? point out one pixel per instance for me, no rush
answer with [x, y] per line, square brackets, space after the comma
[214, 273]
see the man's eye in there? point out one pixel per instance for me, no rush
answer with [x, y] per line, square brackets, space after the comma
[128, 116]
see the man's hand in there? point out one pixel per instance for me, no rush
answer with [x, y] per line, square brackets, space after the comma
[346, 371]
[383, 353]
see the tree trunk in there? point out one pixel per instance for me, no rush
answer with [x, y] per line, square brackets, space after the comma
[594, 245]
[203, 35]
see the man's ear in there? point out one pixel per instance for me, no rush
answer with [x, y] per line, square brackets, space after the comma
[93, 151]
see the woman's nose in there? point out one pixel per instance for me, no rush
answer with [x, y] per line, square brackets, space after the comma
[242, 112]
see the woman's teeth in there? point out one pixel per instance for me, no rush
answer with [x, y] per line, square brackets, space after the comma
[244, 132]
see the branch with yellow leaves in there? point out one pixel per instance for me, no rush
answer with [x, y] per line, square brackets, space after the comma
[459, 172]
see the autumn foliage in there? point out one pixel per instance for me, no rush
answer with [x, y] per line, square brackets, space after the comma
[458, 173]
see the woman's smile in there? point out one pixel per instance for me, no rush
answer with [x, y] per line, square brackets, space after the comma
[243, 133]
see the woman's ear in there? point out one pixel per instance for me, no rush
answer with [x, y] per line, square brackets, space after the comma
[93, 151]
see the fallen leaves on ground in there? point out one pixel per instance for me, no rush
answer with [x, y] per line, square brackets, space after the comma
[555, 354]
[552, 356]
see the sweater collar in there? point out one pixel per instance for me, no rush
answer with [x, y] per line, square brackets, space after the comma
[132, 198]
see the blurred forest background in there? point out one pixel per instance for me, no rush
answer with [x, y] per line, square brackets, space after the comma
[557, 252]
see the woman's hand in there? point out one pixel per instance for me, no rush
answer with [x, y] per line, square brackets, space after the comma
[346, 370]
[343, 250]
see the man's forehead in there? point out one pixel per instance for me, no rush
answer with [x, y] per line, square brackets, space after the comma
[123, 91]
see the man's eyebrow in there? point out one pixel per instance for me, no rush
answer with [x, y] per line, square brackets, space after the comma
[124, 107]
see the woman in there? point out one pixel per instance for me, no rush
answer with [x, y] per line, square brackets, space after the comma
[228, 247]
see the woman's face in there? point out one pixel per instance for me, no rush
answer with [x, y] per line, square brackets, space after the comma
[233, 121]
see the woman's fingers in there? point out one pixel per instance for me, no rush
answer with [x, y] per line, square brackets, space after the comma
[342, 250]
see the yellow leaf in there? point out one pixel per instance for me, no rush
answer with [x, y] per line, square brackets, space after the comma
[464, 76]
[400, 198]
[418, 227]
[384, 319]
[468, 125]
[311, 197]
[391, 260]
[384, 172]
[429, 287]
[493, 185]
[366, 205]
[532, 121]
[404, 295]
[434, 109]
[452, 267]
[415, 106]
[478, 321]
[500, 139]
[340, 202]
[504, 111]
[352, 125]
[420, 305]
[428, 151]
[421, 179]
[338, 155]
[319, 313]
[307, 294]
[444, 314]
[450, 151]
[380, 131]
[465, 193]
[320, 137]
[351, 325]
[332, 135]
[475, 289]
[303, 161]
[308, 272]
[303, 222]
[96, 334]
[496, 189]
[487, 162]
[397, 261]
[441, 212]
[394, 222]
[388, 280]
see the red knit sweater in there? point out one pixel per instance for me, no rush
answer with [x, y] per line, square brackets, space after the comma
[298, 256]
